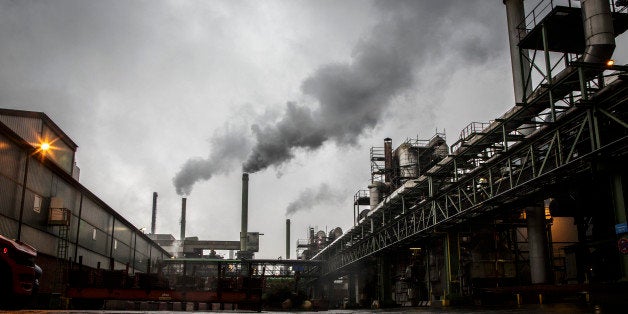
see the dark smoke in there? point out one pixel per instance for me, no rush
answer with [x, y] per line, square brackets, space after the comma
[229, 147]
[311, 197]
[352, 98]
[349, 99]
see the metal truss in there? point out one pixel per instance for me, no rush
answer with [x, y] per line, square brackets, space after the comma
[498, 167]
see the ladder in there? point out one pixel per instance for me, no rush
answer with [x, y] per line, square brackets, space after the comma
[62, 258]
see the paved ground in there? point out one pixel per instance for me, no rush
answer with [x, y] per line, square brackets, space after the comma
[548, 308]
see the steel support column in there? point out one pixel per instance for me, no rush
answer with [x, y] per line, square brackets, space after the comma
[537, 243]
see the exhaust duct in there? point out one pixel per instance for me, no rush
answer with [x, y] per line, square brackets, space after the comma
[245, 211]
[287, 238]
[515, 15]
[154, 216]
[388, 159]
[598, 31]
[183, 206]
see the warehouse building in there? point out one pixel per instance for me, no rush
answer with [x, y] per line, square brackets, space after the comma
[43, 204]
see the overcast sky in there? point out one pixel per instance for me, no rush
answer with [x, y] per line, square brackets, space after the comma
[179, 97]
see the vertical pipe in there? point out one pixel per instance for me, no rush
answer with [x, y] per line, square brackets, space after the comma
[154, 217]
[387, 159]
[287, 238]
[515, 15]
[619, 204]
[19, 224]
[537, 242]
[183, 205]
[245, 211]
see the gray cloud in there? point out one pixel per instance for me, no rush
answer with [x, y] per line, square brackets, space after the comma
[353, 97]
[311, 197]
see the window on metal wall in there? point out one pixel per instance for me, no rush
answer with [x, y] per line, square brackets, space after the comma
[37, 204]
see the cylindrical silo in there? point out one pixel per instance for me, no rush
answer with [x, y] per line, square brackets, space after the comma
[408, 162]
[374, 194]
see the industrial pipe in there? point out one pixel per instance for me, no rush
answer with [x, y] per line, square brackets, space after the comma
[598, 31]
[388, 159]
[537, 243]
[183, 205]
[245, 211]
[287, 238]
[154, 216]
[515, 15]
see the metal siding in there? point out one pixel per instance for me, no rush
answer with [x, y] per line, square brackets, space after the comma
[142, 246]
[96, 215]
[91, 259]
[123, 233]
[28, 129]
[119, 266]
[61, 154]
[141, 262]
[122, 253]
[39, 178]
[86, 239]
[33, 218]
[10, 196]
[41, 241]
[11, 160]
[8, 227]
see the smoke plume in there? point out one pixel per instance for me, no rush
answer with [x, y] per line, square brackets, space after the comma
[352, 97]
[311, 197]
[345, 100]
[229, 147]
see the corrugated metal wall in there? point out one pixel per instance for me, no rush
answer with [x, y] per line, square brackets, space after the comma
[34, 131]
[27, 128]
[94, 235]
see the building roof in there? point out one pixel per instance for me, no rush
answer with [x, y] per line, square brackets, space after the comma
[45, 119]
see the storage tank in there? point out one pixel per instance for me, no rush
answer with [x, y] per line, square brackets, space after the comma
[375, 194]
[334, 234]
[408, 162]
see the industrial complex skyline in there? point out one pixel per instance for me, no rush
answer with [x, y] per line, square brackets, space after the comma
[195, 92]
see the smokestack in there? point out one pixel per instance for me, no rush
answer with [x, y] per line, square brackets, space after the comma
[245, 211]
[387, 159]
[154, 217]
[287, 238]
[515, 15]
[183, 201]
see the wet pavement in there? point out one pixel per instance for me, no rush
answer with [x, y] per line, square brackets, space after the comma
[546, 308]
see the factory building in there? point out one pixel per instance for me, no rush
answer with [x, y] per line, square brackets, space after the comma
[43, 204]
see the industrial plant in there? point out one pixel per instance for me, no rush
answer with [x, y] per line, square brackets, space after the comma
[527, 208]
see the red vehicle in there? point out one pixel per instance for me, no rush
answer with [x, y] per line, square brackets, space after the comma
[19, 276]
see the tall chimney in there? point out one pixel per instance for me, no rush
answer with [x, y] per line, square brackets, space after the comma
[287, 238]
[388, 159]
[245, 211]
[515, 15]
[183, 201]
[154, 217]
